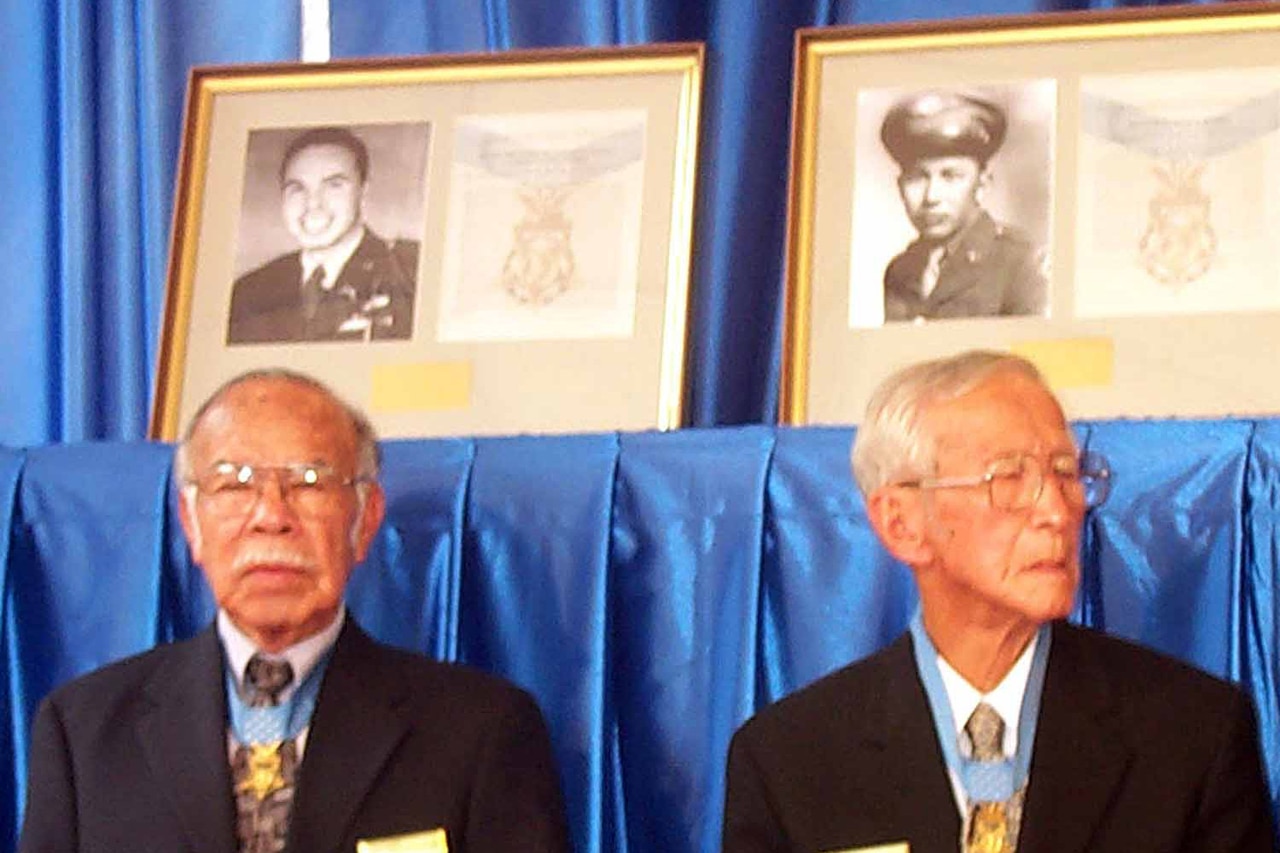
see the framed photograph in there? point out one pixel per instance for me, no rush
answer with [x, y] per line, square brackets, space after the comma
[460, 245]
[1098, 191]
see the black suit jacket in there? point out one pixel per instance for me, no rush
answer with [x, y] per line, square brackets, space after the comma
[990, 270]
[133, 757]
[1134, 752]
[376, 284]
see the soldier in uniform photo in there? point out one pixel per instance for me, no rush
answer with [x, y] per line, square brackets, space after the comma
[344, 282]
[964, 263]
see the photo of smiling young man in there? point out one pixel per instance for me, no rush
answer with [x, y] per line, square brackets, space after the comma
[341, 279]
[970, 181]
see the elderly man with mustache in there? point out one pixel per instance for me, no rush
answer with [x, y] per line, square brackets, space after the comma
[283, 726]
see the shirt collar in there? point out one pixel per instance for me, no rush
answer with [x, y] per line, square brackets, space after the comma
[334, 258]
[302, 656]
[1005, 697]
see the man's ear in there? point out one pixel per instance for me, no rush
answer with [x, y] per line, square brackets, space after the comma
[374, 509]
[190, 522]
[896, 514]
[985, 180]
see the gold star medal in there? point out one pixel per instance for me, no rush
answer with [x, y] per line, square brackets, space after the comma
[989, 829]
[264, 774]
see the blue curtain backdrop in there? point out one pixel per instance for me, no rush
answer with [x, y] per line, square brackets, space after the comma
[651, 590]
[91, 113]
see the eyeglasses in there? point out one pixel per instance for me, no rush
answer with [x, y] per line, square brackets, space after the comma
[1015, 482]
[234, 488]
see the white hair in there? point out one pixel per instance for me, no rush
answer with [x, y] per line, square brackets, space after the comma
[891, 444]
[368, 456]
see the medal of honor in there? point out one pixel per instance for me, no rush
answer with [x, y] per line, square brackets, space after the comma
[1179, 244]
[264, 774]
[540, 265]
[989, 829]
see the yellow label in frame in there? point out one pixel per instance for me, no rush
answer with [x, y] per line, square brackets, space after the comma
[1072, 362]
[420, 387]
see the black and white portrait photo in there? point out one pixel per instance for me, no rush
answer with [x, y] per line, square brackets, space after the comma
[329, 234]
[952, 203]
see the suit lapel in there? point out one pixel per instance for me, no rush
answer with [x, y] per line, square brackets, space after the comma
[911, 772]
[184, 741]
[358, 721]
[355, 272]
[1080, 751]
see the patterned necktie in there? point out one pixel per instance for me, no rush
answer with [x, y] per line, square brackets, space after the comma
[264, 770]
[993, 826]
[265, 680]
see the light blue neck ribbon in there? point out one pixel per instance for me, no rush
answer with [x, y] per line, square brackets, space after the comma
[982, 781]
[285, 721]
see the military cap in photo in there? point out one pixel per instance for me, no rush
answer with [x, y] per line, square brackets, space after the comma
[942, 124]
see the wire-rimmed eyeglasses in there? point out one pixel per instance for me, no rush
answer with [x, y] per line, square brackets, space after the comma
[1015, 481]
[234, 488]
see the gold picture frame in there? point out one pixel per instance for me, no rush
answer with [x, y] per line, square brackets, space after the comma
[510, 252]
[1115, 229]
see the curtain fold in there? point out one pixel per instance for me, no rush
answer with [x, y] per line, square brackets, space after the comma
[686, 553]
[1260, 590]
[13, 734]
[1168, 543]
[537, 506]
[427, 494]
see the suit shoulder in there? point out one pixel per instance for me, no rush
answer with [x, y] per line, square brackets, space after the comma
[1015, 245]
[390, 263]
[1146, 674]
[434, 681]
[403, 249]
[817, 704]
[282, 267]
[1012, 235]
[115, 683]
[908, 263]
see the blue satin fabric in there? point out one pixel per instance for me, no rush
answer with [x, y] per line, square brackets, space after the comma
[92, 114]
[1259, 596]
[1169, 553]
[829, 592]
[13, 705]
[685, 568]
[651, 590]
[534, 592]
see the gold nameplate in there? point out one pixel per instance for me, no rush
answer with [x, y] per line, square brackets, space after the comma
[900, 847]
[989, 829]
[264, 775]
[433, 841]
